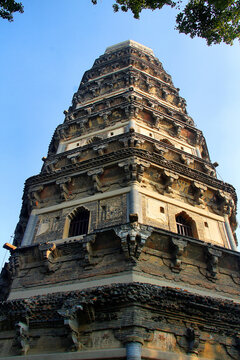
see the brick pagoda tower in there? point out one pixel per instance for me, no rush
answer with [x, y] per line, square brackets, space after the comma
[125, 246]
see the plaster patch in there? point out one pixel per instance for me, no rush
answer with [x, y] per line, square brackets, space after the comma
[212, 232]
[154, 210]
[43, 227]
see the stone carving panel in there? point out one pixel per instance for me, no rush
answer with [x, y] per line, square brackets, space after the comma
[50, 227]
[112, 210]
[157, 210]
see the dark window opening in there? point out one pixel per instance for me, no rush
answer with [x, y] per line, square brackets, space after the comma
[104, 213]
[79, 223]
[166, 141]
[183, 226]
[94, 139]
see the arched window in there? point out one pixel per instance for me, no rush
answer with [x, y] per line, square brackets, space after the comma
[184, 225]
[166, 141]
[79, 222]
[94, 139]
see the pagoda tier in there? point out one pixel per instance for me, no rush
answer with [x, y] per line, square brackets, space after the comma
[125, 246]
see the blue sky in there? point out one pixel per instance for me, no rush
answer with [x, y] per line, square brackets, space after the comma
[44, 54]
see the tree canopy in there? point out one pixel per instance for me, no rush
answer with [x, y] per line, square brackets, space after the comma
[8, 7]
[214, 20]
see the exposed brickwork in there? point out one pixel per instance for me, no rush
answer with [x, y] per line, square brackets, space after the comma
[128, 157]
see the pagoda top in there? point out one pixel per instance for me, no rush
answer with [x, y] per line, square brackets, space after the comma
[130, 43]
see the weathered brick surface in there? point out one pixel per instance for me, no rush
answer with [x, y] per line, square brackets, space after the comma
[127, 145]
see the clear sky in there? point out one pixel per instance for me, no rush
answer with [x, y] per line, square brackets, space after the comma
[44, 54]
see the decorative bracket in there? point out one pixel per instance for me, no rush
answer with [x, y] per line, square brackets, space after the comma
[70, 116]
[137, 109]
[22, 336]
[94, 174]
[178, 247]
[198, 192]
[133, 78]
[34, 195]
[133, 237]
[169, 112]
[63, 184]
[74, 315]
[237, 343]
[213, 256]
[89, 110]
[61, 133]
[50, 165]
[74, 157]
[5, 283]
[149, 84]
[87, 246]
[100, 149]
[133, 110]
[71, 321]
[192, 341]
[187, 160]
[198, 138]
[186, 118]
[177, 128]
[15, 263]
[48, 253]
[209, 170]
[169, 178]
[161, 150]
[134, 168]
[105, 116]
[182, 103]
[131, 140]
[152, 104]
[157, 119]
[165, 94]
[222, 203]
[233, 349]
[189, 340]
[81, 123]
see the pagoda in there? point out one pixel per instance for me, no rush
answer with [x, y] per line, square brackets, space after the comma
[125, 246]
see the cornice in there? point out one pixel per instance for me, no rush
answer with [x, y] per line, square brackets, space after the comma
[130, 69]
[129, 92]
[129, 88]
[126, 60]
[117, 138]
[113, 158]
[44, 308]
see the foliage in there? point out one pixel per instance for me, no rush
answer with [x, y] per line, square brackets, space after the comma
[214, 20]
[8, 7]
